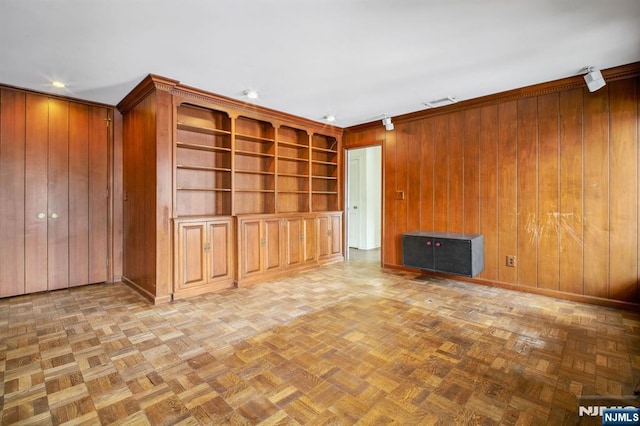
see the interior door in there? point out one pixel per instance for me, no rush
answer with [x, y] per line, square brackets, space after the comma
[354, 202]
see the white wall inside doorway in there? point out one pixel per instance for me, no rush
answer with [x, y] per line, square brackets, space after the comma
[366, 226]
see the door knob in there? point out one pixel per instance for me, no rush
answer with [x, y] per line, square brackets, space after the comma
[41, 215]
[54, 215]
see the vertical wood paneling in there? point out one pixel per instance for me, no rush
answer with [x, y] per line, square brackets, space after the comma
[390, 234]
[58, 195]
[472, 172]
[571, 192]
[426, 175]
[12, 192]
[596, 193]
[508, 218]
[551, 179]
[411, 131]
[78, 194]
[548, 194]
[489, 172]
[624, 190]
[37, 129]
[456, 172]
[527, 192]
[441, 174]
[98, 184]
[402, 172]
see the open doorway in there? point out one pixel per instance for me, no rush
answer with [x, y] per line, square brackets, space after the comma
[364, 201]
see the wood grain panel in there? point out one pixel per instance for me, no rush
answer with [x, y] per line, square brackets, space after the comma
[220, 234]
[79, 194]
[192, 262]
[624, 190]
[489, 170]
[273, 241]
[441, 174]
[402, 172]
[390, 234]
[98, 190]
[310, 239]
[456, 172]
[596, 193]
[426, 175]
[36, 152]
[528, 220]
[58, 195]
[293, 238]
[250, 247]
[411, 131]
[508, 217]
[12, 192]
[548, 192]
[471, 154]
[571, 192]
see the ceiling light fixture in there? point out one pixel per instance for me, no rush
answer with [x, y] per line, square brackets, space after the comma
[593, 78]
[330, 118]
[58, 84]
[251, 94]
[441, 102]
[386, 121]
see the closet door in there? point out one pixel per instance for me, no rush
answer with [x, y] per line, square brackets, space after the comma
[12, 194]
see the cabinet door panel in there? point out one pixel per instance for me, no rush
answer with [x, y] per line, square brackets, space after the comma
[336, 235]
[294, 237]
[78, 195]
[417, 252]
[310, 243]
[58, 195]
[37, 129]
[323, 236]
[453, 256]
[273, 239]
[12, 192]
[98, 200]
[220, 243]
[250, 247]
[191, 264]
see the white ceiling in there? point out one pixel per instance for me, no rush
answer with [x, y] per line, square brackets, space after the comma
[357, 59]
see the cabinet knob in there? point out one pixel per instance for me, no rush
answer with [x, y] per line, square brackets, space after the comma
[41, 215]
[438, 244]
[428, 243]
[54, 215]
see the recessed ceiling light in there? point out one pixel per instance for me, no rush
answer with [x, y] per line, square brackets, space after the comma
[330, 118]
[58, 84]
[251, 94]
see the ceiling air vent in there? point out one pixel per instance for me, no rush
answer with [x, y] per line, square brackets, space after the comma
[441, 102]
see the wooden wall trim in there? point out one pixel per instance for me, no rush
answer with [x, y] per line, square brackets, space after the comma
[54, 96]
[150, 83]
[573, 82]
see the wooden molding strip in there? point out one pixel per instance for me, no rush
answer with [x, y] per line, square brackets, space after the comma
[611, 74]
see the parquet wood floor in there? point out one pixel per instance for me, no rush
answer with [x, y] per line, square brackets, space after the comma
[349, 343]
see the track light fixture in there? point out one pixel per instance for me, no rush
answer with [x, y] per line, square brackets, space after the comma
[593, 78]
[386, 121]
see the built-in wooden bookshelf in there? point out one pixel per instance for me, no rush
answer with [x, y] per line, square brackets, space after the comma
[324, 173]
[254, 171]
[202, 162]
[293, 170]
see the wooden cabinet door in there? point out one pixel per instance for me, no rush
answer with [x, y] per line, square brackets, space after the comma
[250, 247]
[272, 244]
[294, 238]
[309, 239]
[190, 255]
[335, 235]
[324, 232]
[219, 239]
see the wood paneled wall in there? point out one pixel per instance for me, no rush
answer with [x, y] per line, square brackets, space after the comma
[550, 178]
